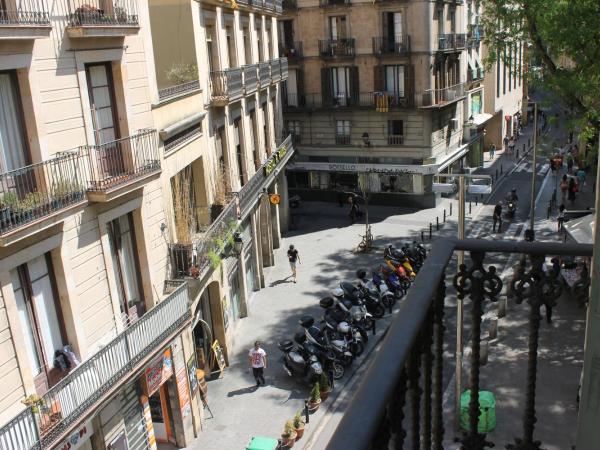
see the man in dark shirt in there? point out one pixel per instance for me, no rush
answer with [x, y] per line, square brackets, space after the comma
[497, 217]
[293, 257]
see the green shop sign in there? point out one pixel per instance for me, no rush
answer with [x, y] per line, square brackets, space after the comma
[274, 160]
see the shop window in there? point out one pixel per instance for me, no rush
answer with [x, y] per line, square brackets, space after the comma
[40, 317]
[342, 132]
[298, 179]
[126, 268]
[401, 182]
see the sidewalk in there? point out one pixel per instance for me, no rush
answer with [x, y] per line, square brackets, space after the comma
[326, 258]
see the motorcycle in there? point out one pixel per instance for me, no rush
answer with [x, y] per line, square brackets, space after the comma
[381, 290]
[318, 337]
[308, 368]
[354, 308]
[511, 208]
[392, 281]
[354, 333]
[372, 302]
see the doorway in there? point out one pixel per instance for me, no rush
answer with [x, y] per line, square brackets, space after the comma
[162, 417]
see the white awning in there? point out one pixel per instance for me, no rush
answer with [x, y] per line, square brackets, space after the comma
[480, 119]
[426, 169]
[444, 161]
[582, 229]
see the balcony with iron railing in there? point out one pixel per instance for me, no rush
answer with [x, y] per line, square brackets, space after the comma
[452, 41]
[101, 18]
[380, 101]
[25, 19]
[204, 253]
[121, 166]
[395, 139]
[264, 73]
[475, 74]
[275, 71]
[474, 34]
[404, 386]
[329, 3]
[36, 196]
[250, 72]
[290, 5]
[391, 45]
[291, 50]
[225, 86]
[337, 48]
[96, 379]
[171, 92]
[441, 97]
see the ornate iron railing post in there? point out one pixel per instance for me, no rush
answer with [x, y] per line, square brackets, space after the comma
[479, 284]
[414, 373]
[538, 289]
[438, 366]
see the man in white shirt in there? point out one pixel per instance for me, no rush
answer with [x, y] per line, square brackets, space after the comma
[258, 360]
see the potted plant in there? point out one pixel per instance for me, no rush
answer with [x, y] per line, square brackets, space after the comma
[30, 205]
[289, 435]
[120, 14]
[314, 401]
[8, 209]
[324, 386]
[299, 425]
[35, 403]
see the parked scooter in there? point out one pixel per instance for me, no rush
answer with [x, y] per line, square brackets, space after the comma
[318, 337]
[354, 307]
[342, 322]
[308, 369]
[387, 298]
[372, 302]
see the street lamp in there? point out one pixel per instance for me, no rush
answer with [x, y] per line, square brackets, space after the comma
[530, 233]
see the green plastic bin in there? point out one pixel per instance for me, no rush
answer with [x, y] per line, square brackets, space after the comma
[487, 408]
[262, 443]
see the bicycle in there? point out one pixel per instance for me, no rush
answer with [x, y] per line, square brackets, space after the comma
[366, 243]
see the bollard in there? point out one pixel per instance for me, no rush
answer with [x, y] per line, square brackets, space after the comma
[501, 167]
[475, 200]
[548, 213]
[450, 209]
[523, 148]
[444, 216]
[496, 174]
[528, 142]
[422, 236]
[437, 223]
[469, 207]
[518, 151]
[430, 230]
[306, 416]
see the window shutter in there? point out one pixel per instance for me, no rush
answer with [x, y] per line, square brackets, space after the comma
[300, 87]
[385, 25]
[326, 86]
[354, 85]
[378, 78]
[409, 85]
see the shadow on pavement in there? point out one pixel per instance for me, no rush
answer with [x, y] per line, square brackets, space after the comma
[242, 391]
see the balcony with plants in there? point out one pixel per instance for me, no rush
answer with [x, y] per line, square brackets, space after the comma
[121, 166]
[225, 86]
[181, 79]
[34, 196]
[452, 42]
[25, 19]
[101, 18]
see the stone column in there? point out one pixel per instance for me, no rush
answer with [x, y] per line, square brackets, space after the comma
[266, 232]
[276, 231]
[259, 277]
[284, 205]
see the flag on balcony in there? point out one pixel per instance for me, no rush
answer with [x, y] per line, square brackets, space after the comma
[381, 102]
[234, 4]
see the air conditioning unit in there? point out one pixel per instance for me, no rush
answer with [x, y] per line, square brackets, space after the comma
[454, 124]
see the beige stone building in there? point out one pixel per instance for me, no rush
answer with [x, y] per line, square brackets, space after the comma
[138, 151]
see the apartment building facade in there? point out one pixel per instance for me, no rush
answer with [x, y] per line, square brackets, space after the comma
[102, 150]
[375, 96]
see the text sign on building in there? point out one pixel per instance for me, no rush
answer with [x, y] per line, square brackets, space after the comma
[274, 160]
[159, 371]
[78, 437]
[428, 169]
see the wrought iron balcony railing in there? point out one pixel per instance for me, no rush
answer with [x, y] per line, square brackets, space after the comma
[381, 101]
[403, 386]
[180, 89]
[326, 3]
[264, 73]
[226, 85]
[102, 13]
[250, 72]
[291, 50]
[336, 48]
[452, 41]
[275, 70]
[284, 68]
[395, 139]
[475, 74]
[290, 5]
[474, 33]
[391, 45]
[28, 12]
[278, 6]
[31, 193]
[94, 380]
[120, 162]
[439, 97]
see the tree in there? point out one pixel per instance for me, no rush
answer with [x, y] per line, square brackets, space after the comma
[561, 39]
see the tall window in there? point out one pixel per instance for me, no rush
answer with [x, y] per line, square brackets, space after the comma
[395, 132]
[293, 127]
[261, 56]
[102, 102]
[440, 15]
[239, 152]
[342, 132]
[338, 27]
[184, 204]
[266, 130]
[498, 75]
[394, 81]
[126, 267]
[254, 139]
[452, 19]
[12, 132]
[340, 85]
[231, 47]
[39, 316]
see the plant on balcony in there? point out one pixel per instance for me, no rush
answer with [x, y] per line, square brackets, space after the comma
[29, 205]
[180, 73]
[121, 15]
[8, 204]
[314, 400]
[185, 220]
[86, 14]
[299, 425]
[214, 259]
[324, 386]
[289, 434]
[36, 403]
[65, 192]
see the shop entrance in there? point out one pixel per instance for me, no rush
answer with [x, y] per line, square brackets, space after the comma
[203, 332]
[162, 417]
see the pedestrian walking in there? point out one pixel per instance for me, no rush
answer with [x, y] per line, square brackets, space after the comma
[492, 151]
[497, 217]
[561, 216]
[569, 162]
[511, 145]
[564, 188]
[506, 141]
[293, 258]
[258, 361]
[353, 211]
[581, 177]
[572, 189]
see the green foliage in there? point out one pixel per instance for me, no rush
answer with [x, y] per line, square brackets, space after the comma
[219, 243]
[214, 258]
[299, 420]
[10, 200]
[324, 383]
[31, 200]
[288, 429]
[559, 39]
[315, 393]
[180, 73]
[63, 188]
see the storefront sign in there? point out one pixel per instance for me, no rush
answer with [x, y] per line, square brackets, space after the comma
[428, 169]
[183, 392]
[219, 357]
[79, 437]
[191, 368]
[159, 371]
[274, 159]
[275, 199]
[148, 422]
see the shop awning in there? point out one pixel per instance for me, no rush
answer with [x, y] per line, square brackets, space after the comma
[426, 169]
[480, 119]
[443, 161]
[581, 230]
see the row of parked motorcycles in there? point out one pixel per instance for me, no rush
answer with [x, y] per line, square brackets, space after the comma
[349, 314]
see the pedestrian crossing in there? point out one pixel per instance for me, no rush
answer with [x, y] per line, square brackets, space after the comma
[527, 167]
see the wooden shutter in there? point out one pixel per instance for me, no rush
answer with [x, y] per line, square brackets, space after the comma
[378, 78]
[326, 86]
[354, 85]
[385, 25]
[409, 85]
[300, 87]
